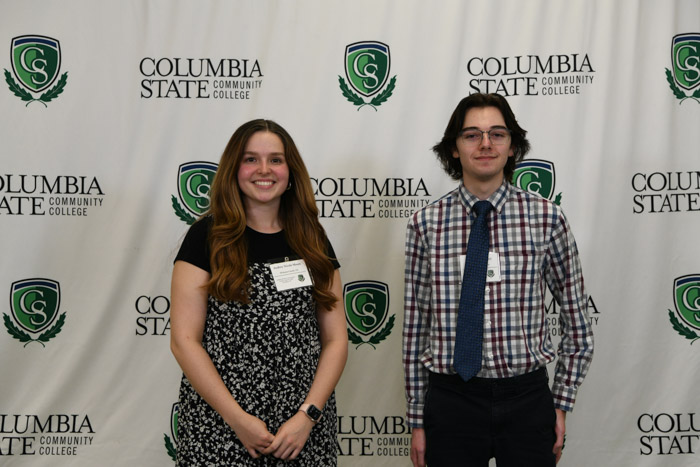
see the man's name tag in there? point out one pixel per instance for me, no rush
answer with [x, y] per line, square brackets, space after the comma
[290, 275]
[493, 267]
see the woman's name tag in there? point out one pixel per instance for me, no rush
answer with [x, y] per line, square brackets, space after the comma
[290, 274]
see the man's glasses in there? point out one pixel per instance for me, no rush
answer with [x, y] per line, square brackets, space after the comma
[473, 136]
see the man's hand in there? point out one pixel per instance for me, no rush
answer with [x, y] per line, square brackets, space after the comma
[559, 430]
[291, 437]
[418, 447]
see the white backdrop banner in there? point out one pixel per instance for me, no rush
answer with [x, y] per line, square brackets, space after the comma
[114, 116]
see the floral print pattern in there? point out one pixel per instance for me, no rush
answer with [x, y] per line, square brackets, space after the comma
[266, 352]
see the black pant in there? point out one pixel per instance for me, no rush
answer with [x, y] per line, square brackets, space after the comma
[511, 419]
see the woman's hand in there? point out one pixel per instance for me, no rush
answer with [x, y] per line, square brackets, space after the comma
[253, 433]
[291, 437]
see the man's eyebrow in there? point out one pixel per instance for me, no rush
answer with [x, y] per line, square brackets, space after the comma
[493, 127]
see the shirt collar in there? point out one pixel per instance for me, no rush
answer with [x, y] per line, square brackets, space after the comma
[498, 198]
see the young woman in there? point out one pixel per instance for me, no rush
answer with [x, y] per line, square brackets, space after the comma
[261, 346]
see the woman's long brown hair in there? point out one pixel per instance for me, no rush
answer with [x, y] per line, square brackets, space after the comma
[298, 215]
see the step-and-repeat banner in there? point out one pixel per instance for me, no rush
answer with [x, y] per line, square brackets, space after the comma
[114, 116]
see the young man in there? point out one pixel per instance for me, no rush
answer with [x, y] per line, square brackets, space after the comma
[490, 306]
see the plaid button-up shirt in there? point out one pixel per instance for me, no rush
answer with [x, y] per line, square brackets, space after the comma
[536, 251]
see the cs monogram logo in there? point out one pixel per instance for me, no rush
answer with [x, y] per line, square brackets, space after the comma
[36, 62]
[367, 69]
[34, 304]
[537, 177]
[684, 80]
[194, 181]
[366, 309]
[686, 298]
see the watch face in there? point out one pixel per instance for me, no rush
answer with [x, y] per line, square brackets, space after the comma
[314, 413]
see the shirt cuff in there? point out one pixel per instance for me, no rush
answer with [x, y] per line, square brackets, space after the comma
[564, 396]
[414, 415]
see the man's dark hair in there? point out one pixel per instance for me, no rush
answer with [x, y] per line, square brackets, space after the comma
[446, 147]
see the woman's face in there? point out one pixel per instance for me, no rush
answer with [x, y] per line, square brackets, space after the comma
[263, 175]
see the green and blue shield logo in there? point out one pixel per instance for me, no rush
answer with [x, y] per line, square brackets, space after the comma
[366, 310]
[686, 298]
[684, 78]
[686, 60]
[34, 305]
[194, 181]
[36, 63]
[174, 420]
[537, 177]
[367, 66]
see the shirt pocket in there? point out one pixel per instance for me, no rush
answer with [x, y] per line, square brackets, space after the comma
[521, 273]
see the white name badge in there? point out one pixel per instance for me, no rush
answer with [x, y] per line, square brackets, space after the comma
[290, 274]
[493, 267]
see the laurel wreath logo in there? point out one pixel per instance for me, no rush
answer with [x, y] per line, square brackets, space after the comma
[376, 338]
[22, 336]
[48, 96]
[172, 452]
[181, 212]
[376, 101]
[678, 92]
[682, 330]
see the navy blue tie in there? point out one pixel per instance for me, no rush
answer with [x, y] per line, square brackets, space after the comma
[470, 320]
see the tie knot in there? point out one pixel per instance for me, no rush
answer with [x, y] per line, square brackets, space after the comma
[482, 207]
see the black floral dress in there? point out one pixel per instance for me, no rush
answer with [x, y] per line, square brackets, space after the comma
[266, 352]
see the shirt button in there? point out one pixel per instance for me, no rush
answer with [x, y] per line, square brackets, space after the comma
[488, 322]
[488, 289]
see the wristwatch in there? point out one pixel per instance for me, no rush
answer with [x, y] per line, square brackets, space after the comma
[312, 412]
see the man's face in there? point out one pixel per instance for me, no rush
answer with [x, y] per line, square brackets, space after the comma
[482, 161]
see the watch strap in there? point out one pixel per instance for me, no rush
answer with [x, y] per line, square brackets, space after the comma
[312, 412]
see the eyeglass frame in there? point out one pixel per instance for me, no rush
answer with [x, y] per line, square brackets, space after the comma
[487, 132]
